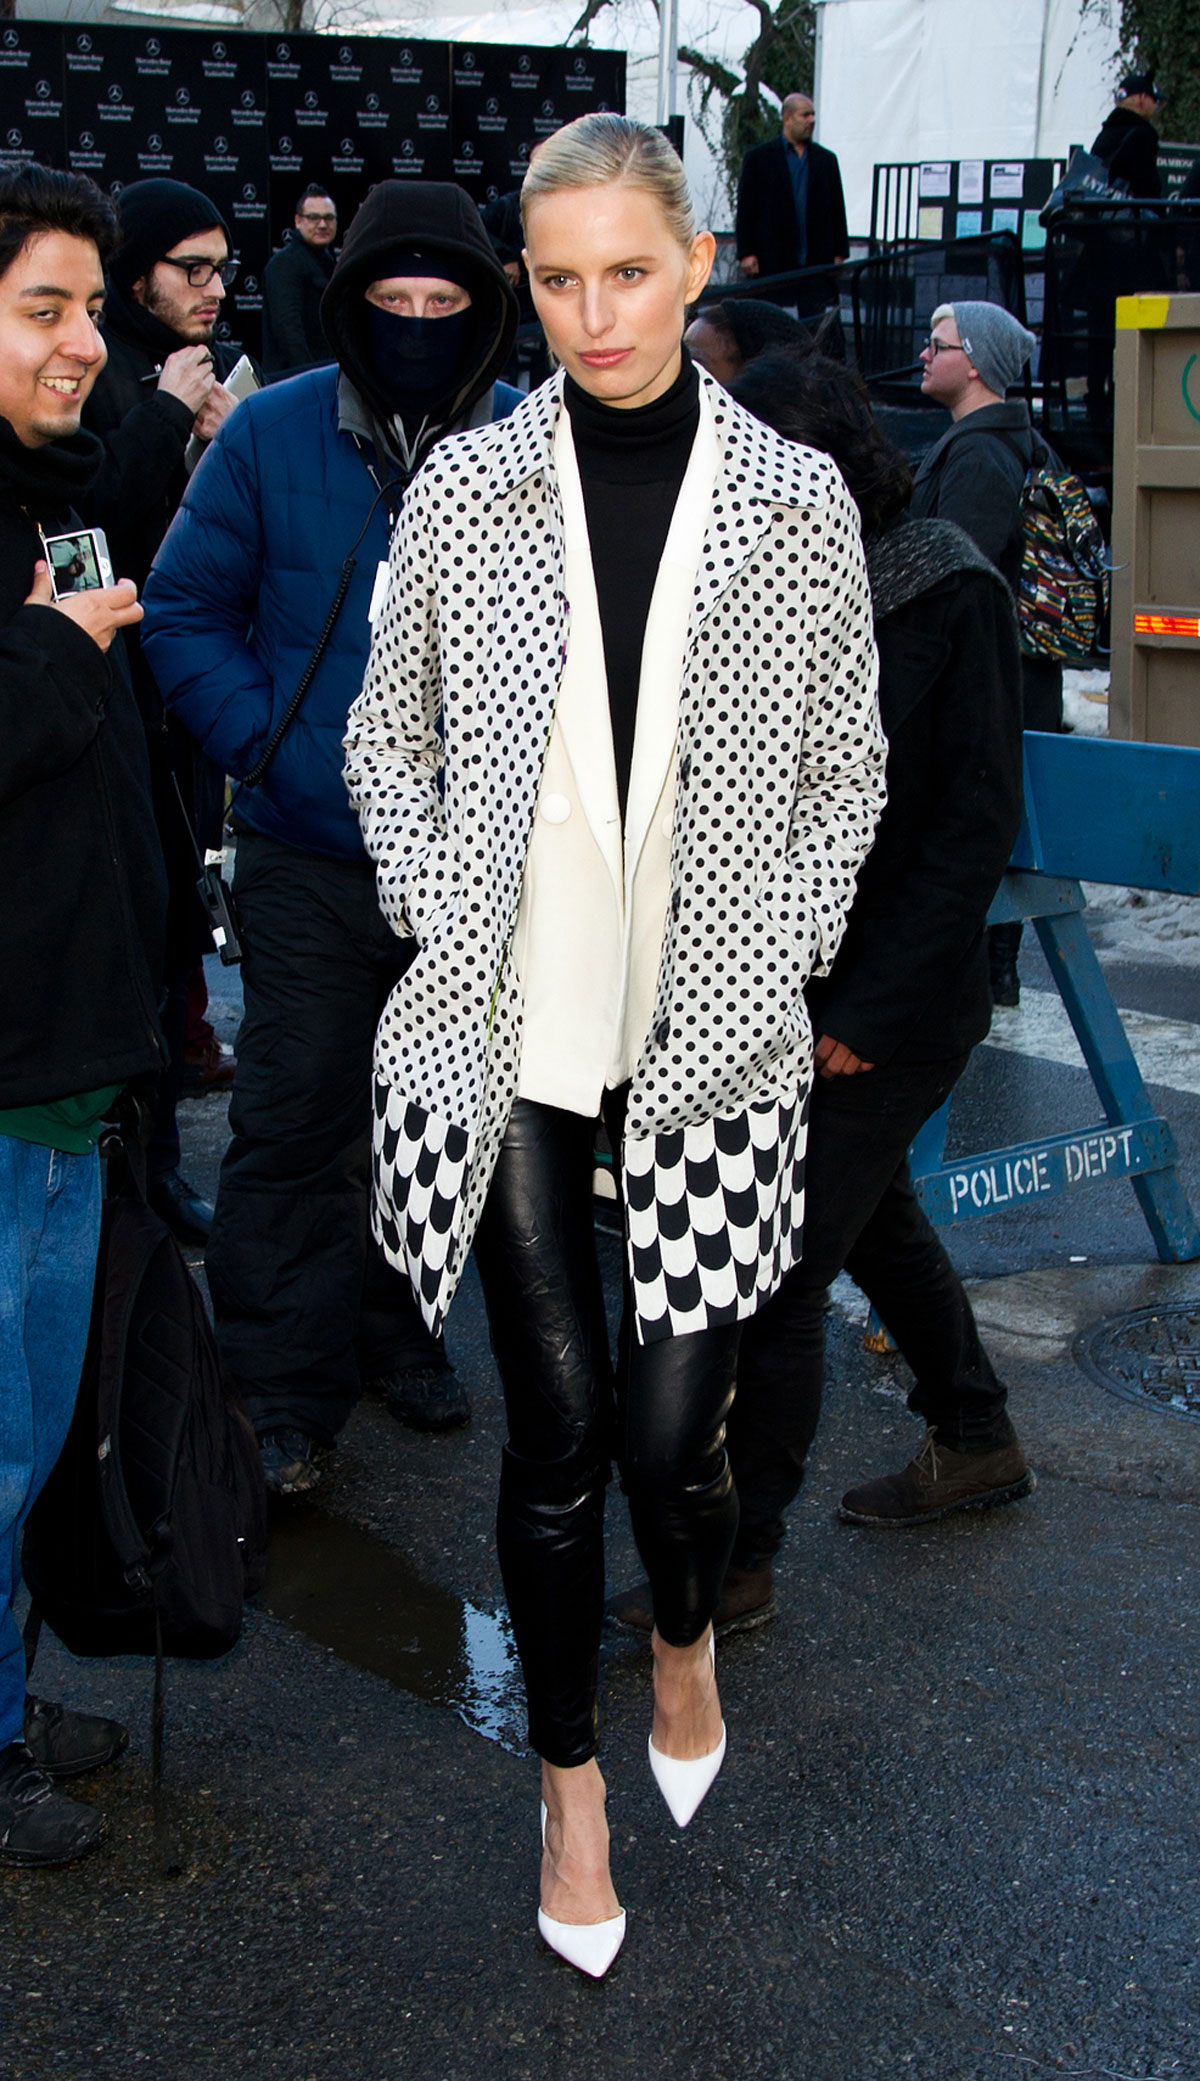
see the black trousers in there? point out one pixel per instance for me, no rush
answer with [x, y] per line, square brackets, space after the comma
[860, 1213]
[660, 1412]
[305, 1304]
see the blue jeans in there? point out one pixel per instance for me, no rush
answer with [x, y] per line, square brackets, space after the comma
[49, 1234]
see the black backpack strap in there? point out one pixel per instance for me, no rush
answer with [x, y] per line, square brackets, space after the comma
[31, 1633]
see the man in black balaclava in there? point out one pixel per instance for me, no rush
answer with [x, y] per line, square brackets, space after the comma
[266, 585]
[166, 285]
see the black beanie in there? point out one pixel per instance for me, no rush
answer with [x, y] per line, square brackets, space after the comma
[155, 216]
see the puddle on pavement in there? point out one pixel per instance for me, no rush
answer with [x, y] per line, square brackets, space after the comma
[345, 1589]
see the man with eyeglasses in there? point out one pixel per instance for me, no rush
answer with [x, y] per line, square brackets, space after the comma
[294, 281]
[975, 475]
[167, 283]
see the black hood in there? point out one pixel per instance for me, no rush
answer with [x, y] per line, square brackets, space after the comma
[414, 215]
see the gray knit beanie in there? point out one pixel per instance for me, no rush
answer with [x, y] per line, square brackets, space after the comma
[996, 342]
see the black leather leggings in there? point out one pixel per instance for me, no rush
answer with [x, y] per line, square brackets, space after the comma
[661, 1414]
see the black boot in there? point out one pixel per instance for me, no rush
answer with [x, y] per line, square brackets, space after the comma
[38, 1823]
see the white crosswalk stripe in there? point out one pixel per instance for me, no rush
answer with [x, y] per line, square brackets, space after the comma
[1167, 1050]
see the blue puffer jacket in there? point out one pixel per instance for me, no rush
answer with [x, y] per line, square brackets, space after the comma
[244, 581]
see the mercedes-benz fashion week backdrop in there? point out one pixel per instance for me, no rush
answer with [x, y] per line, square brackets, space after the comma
[252, 119]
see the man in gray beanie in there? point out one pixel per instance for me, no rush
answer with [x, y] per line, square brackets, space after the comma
[975, 475]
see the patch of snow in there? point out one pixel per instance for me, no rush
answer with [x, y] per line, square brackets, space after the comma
[1085, 703]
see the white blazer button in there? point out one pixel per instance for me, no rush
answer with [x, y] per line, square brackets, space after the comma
[555, 808]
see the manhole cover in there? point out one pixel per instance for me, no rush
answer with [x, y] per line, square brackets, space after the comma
[1152, 1355]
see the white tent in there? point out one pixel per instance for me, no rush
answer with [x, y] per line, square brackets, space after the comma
[896, 79]
[957, 79]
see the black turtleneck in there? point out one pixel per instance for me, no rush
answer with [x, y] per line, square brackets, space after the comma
[631, 465]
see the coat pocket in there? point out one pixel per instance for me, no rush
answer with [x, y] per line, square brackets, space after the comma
[433, 892]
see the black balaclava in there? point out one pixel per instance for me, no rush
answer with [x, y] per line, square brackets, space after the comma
[416, 361]
[407, 228]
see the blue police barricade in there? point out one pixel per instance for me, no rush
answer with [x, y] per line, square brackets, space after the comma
[1096, 810]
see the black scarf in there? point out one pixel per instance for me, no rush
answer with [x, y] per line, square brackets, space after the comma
[912, 556]
[49, 479]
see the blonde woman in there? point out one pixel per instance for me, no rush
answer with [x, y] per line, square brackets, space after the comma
[617, 758]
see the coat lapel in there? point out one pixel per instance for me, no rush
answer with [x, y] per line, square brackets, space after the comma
[755, 478]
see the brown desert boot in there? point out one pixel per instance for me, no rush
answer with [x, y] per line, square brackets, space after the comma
[938, 1482]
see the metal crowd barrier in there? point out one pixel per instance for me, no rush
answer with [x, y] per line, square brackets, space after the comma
[1100, 811]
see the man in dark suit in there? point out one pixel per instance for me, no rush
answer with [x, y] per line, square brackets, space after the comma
[1128, 141]
[294, 281]
[790, 210]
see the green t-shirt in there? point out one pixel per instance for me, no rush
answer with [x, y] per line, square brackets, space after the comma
[71, 1124]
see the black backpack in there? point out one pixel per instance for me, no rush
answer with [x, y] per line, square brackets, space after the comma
[151, 1531]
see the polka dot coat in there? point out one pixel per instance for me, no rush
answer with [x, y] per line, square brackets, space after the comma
[779, 787]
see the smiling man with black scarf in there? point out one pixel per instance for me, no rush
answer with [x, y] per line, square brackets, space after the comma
[274, 560]
[80, 931]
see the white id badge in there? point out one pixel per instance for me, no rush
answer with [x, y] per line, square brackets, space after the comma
[378, 592]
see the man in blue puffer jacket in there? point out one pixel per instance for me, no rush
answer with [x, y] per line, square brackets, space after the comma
[283, 531]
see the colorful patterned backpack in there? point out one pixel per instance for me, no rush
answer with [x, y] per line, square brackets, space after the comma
[1062, 591]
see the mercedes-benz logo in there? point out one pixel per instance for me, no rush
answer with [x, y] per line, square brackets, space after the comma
[285, 147]
[250, 286]
[87, 142]
[13, 140]
[83, 42]
[547, 108]
[11, 39]
[153, 47]
[283, 52]
[249, 192]
[310, 99]
[347, 147]
[42, 90]
[248, 99]
[345, 55]
[431, 102]
[524, 63]
[182, 97]
[154, 142]
[580, 65]
[406, 57]
[220, 146]
[372, 102]
[219, 52]
[468, 61]
[406, 149]
[114, 92]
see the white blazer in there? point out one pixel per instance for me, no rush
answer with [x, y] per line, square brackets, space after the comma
[593, 909]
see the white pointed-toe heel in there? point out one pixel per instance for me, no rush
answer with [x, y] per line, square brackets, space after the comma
[589, 1946]
[684, 1782]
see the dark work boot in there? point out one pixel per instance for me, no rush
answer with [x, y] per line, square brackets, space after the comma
[426, 1398]
[288, 1462]
[187, 1214]
[747, 1600]
[65, 1744]
[937, 1483]
[38, 1823]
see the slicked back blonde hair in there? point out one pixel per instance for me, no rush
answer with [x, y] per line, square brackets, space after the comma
[595, 150]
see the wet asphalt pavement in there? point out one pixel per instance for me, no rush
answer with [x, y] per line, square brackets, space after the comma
[955, 1839]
